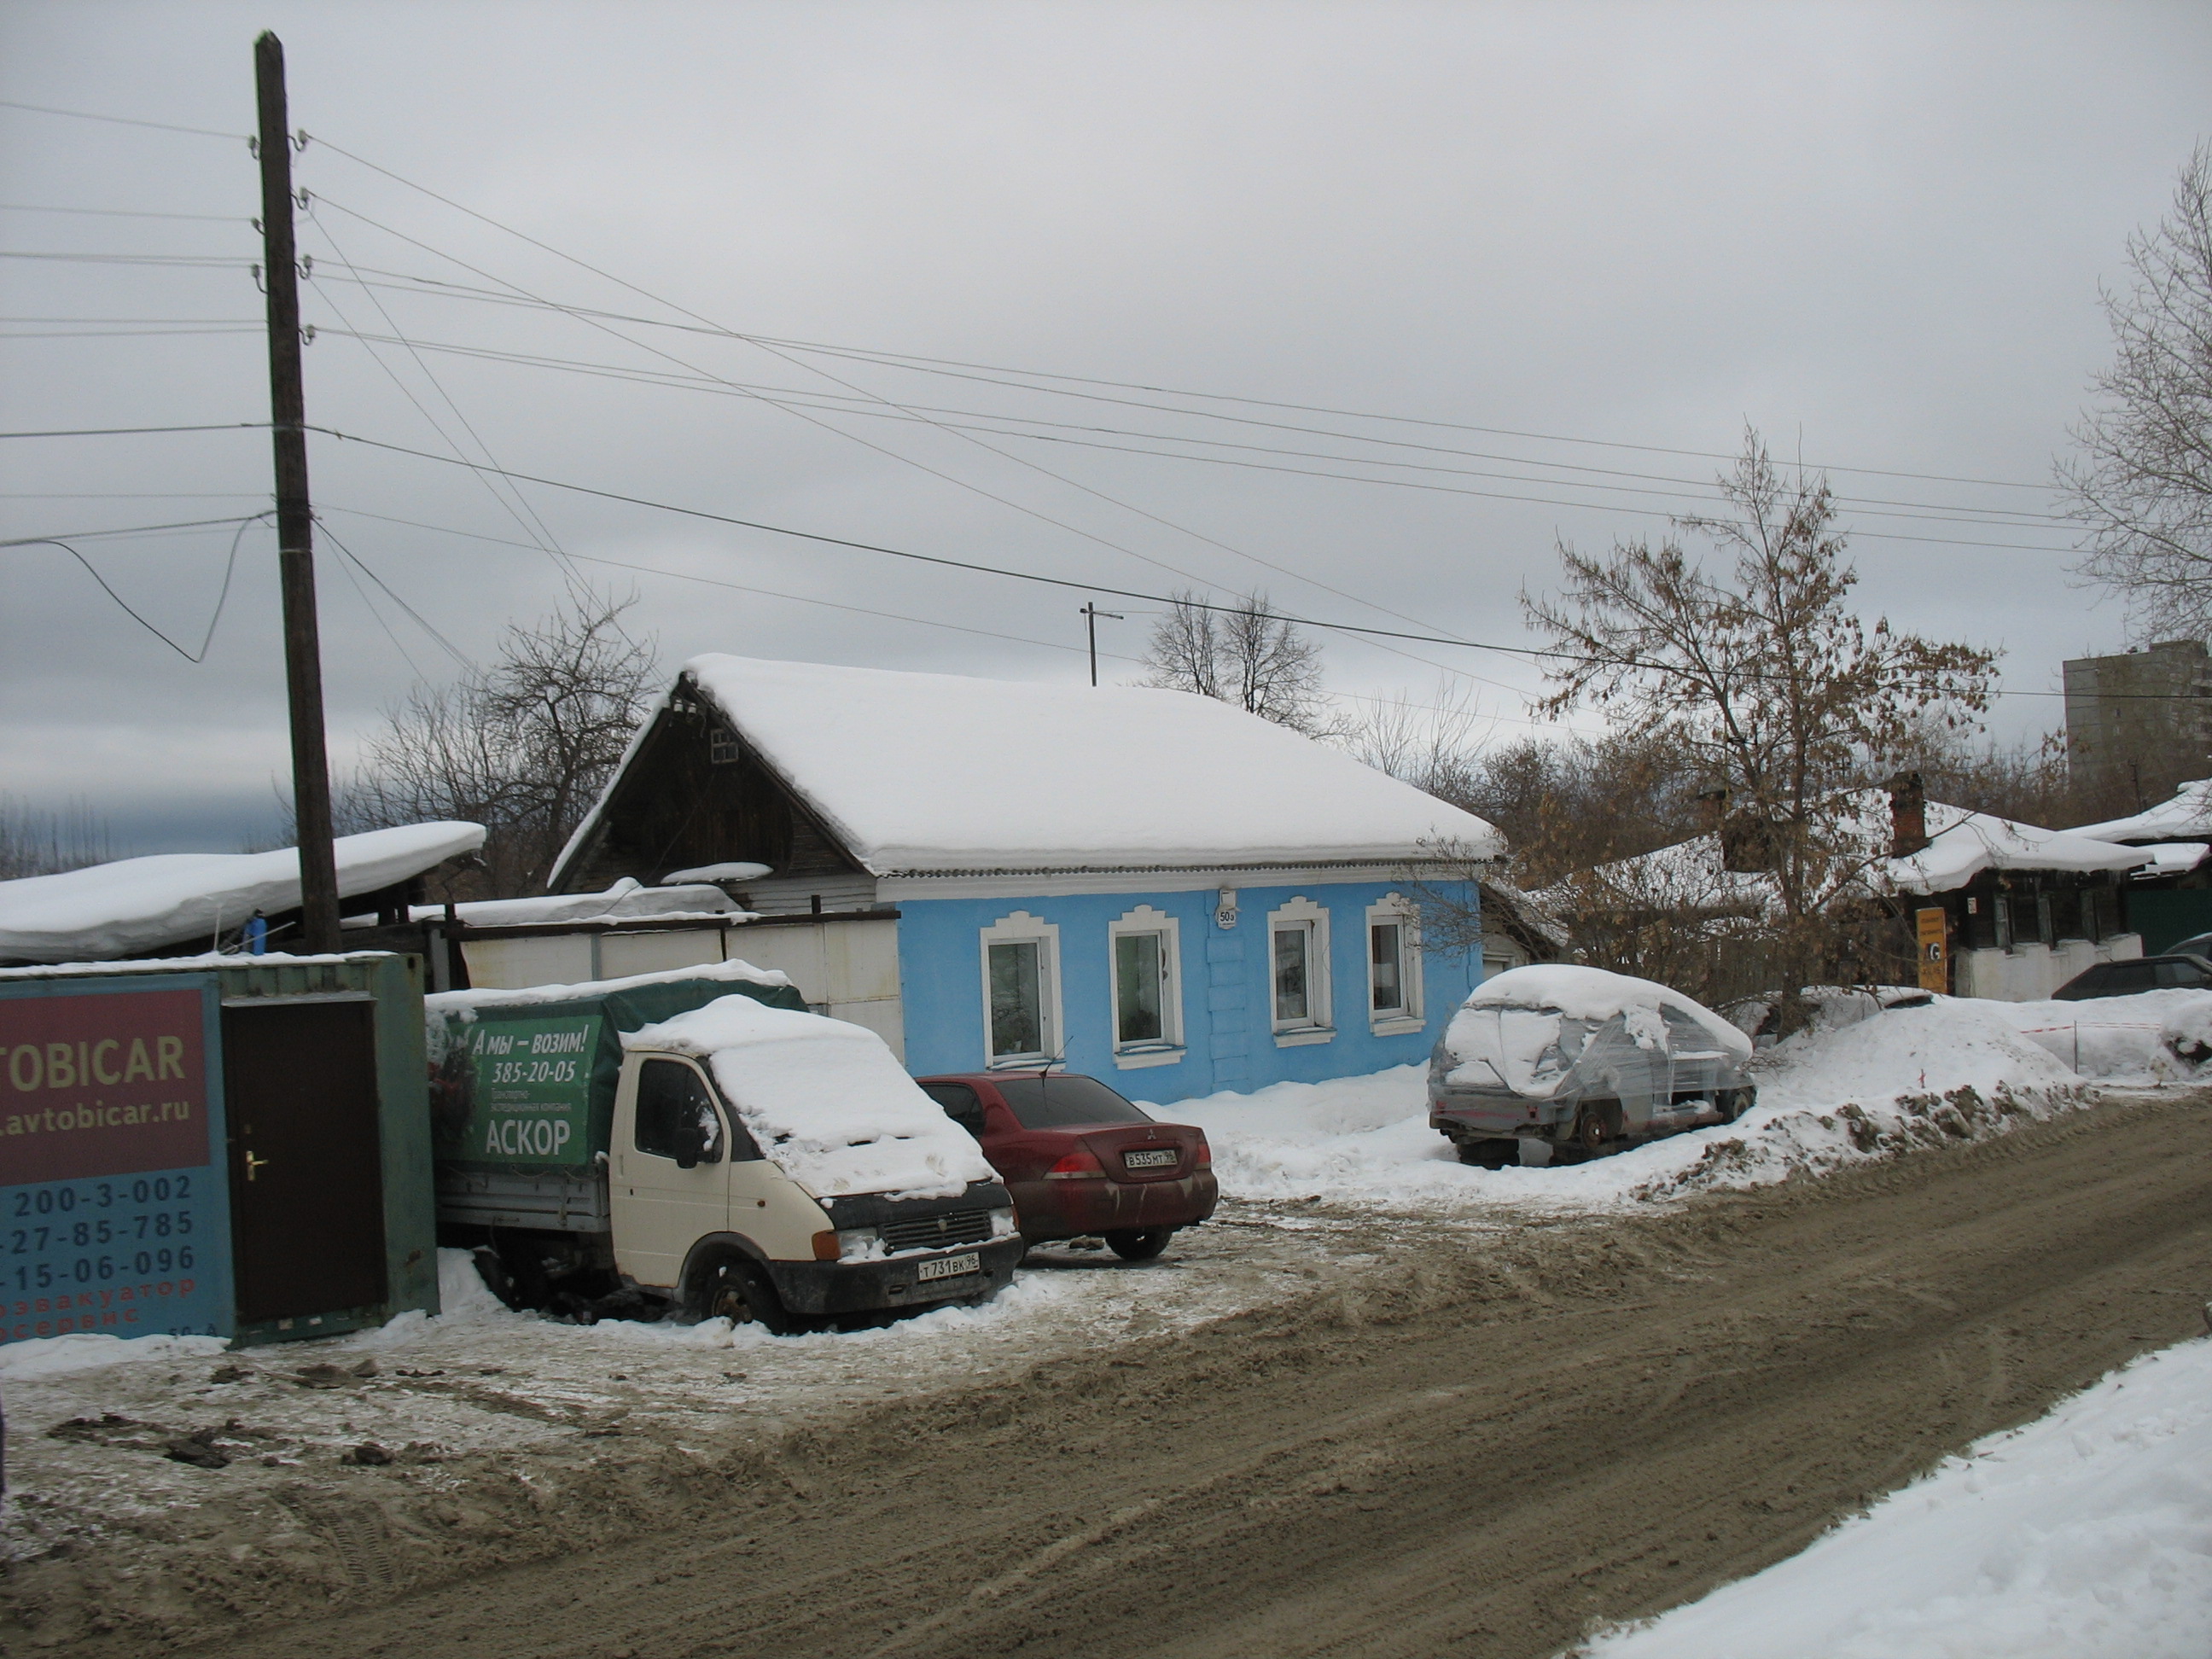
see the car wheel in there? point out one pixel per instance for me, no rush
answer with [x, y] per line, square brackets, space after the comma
[737, 1291]
[1140, 1245]
[1488, 1154]
[1594, 1128]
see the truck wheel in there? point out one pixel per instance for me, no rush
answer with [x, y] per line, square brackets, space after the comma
[1140, 1245]
[737, 1291]
[1488, 1154]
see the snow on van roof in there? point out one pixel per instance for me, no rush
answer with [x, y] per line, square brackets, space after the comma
[1594, 994]
[628, 900]
[826, 1099]
[928, 773]
[134, 906]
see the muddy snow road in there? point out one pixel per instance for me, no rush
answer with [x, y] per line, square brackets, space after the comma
[1448, 1443]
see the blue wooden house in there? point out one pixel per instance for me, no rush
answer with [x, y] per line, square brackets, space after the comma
[1151, 886]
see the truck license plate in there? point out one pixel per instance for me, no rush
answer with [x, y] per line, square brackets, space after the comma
[1160, 1158]
[950, 1267]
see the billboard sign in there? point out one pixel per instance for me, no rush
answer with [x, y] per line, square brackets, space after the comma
[114, 1214]
[518, 1091]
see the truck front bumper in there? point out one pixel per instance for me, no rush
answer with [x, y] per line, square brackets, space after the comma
[842, 1287]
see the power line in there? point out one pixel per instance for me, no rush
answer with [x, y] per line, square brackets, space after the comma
[122, 120]
[134, 530]
[126, 213]
[127, 431]
[207, 259]
[420, 621]
[1536, 652]
[222, 596]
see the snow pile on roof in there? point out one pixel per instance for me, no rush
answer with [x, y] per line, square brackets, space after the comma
[826, 1099]
[627, 900]
[739, 871]
[137, 905]
[1690, 875]
[2086, 1534]
[920, 773]
[2186, 817]
[440, 1003]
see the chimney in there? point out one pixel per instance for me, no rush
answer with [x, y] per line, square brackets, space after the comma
[1908, 815]
[1714, 798]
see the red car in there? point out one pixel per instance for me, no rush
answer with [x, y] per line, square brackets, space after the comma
[1081, 1161]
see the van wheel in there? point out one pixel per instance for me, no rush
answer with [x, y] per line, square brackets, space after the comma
[737, 1291]
[1140, 1245]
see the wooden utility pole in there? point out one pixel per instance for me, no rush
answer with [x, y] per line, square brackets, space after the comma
[295, 546]
[1091, 614]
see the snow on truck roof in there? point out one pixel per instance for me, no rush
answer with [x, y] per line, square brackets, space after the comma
[137, 905]
[930, 773]
[826, 1099]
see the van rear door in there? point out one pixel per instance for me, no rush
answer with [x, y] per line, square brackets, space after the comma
[671, 1168]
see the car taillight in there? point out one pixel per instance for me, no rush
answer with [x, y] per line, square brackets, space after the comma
[1076, 1166]
[1203, 1158]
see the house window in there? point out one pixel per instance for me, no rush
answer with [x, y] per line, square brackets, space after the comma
[1145, 947]
[1298, 958]
[722, 746]
[1021, 990]
[1394, 967]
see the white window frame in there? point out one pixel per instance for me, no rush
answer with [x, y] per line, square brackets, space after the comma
[1395, 910]
[1167, 1047]
[1318, 1026]
[1023, 929]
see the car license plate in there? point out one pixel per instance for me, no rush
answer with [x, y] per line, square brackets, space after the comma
[950, 1267]
[1161, 1157]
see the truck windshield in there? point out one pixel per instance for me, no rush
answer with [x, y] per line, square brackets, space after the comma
[1065, 1101]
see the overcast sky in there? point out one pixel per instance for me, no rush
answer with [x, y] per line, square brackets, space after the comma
[1875, 233]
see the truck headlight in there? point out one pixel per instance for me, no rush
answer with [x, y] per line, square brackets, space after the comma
[1002, 1224]
[859, 1244]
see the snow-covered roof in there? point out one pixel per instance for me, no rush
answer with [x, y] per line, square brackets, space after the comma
[626, 901]
[1961, 845]
[826, 1099]
[938, 773]
[2186, 817]
[138, 905]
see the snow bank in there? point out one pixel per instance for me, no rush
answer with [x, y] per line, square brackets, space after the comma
[137, 905]
[2087, 1535]
[2118, 1038]
[827, 1100]
[1907, 1078]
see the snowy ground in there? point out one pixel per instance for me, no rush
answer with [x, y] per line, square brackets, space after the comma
[1907, 1076]
[2087, 1535]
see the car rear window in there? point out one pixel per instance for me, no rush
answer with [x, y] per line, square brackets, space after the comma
[1064, 1102]
[2125, 976]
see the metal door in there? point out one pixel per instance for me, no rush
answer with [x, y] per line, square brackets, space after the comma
[306, 1174]
[671, 1179]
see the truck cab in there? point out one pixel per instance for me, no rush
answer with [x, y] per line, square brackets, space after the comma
[703, 1215]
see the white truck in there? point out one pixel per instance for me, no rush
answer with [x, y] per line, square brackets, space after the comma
[697, 1144]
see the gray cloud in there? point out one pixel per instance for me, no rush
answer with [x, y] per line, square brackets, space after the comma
[1876, 234]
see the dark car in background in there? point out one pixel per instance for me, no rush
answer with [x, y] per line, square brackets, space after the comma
[2170, 972]
[1081, 1161]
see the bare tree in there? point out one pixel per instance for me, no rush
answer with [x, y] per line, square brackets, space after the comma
[1244, 654]
[34, 843]
[1762, 676]
[522, 747]
[2142, 480]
